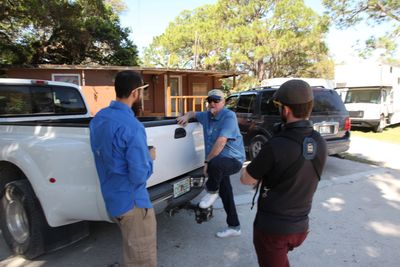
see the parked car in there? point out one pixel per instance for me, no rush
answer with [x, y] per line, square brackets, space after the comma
[49, 185]
[257, 116]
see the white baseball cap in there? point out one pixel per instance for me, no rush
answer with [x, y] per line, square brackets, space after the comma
[216, 94]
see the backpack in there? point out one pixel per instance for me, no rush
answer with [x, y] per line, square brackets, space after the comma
[309, 151]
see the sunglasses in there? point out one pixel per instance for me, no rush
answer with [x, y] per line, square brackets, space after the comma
[277, 103]
[141, 87]
[213, 99]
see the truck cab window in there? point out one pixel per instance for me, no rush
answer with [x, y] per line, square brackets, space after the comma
[363, 96]
[17, 100]
[14, 100]
[42, 100]
[68, 101]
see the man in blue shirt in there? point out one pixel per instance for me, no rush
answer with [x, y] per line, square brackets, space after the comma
[124, 163]
[224, 156]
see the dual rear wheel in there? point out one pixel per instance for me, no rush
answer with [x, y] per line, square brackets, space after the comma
[21, 219]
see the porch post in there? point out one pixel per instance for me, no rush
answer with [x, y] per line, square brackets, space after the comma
[141, 99]
[168, 97]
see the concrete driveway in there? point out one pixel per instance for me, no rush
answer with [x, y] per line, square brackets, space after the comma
[384, 154]
[354, 222]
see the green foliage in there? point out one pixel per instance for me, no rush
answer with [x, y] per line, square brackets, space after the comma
[64, 32]
[349, 13]
[267, 38]
[390, 134]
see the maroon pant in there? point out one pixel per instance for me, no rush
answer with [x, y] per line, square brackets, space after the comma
[272, 249]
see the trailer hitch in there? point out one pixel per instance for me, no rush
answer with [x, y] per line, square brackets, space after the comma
[201, 215]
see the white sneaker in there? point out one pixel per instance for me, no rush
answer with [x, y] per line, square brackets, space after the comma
[229, 232]
[208, 200]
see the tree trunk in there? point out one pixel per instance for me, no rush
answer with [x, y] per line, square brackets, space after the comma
[261, 70]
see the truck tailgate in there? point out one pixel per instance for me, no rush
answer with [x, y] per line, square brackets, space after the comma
[178, 150]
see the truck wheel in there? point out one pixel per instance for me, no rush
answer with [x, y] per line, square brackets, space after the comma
[22, 219]
[256, 144]
[382, 124]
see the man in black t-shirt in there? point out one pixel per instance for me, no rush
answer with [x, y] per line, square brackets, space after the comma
[287, 171]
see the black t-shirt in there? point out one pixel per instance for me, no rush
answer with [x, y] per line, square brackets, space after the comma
[286, 211]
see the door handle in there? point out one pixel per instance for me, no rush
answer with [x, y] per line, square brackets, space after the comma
[179, 133]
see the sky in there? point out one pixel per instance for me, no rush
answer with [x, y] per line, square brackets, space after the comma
[150, 18]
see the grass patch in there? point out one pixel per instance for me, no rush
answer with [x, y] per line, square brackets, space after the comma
[390, 134]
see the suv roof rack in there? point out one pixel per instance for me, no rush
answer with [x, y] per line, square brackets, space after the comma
[276, 87]
[263, 87]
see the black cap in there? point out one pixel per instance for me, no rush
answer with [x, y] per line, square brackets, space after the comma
[294, 92]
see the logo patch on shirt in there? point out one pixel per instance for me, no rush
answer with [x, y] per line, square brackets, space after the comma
[309, 148]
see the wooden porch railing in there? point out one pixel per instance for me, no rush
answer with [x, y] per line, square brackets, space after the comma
[180, 103]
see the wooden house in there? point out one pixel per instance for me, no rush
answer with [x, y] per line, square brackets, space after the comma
[171, 91]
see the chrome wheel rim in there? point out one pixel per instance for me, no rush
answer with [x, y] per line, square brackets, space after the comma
[256, 148]
[17, 221]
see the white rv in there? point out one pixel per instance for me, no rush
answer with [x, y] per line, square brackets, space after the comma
[371, 93]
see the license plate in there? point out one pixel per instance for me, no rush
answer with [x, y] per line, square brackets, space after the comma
[181, 187]
[325, 129]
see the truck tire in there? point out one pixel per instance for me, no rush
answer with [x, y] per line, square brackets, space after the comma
[382, 124]
[256, 144]
[22, 219]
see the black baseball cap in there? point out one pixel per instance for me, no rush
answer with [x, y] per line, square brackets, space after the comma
[294, 91]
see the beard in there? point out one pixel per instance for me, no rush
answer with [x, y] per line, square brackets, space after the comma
[283, 118]
[137, 107]
[213, 111]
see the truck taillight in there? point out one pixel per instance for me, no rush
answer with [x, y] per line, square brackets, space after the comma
[347, 124]
[39, 82]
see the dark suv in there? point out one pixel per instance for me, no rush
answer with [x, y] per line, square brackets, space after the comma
[257, 115]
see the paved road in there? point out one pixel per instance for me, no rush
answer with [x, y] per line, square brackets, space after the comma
[354, 222]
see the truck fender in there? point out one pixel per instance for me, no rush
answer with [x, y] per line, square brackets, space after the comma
[24, 225]
[16, 160]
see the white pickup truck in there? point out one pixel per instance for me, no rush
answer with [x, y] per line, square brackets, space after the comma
[49, 186]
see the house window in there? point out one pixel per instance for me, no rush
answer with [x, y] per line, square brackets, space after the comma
[199, 89]
[67, 78]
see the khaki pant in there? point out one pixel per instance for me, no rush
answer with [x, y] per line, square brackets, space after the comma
[139, 238]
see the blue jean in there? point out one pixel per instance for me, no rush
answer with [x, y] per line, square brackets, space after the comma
[219, 171]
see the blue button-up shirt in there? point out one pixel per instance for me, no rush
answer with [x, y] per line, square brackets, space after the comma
[223, 125]
[123, 161]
